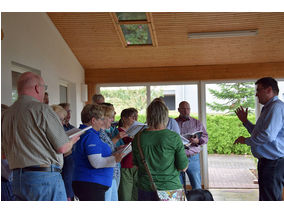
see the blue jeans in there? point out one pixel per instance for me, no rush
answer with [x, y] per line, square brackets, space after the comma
[193, 172]
[112, 193]
[38, 186]
[7, 191]
[67, 174]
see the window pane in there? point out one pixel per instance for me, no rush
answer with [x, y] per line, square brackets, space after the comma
[15, 77]
[136, 34]
[131, 16]
[63, 94]
[125, 97]
[174, 94]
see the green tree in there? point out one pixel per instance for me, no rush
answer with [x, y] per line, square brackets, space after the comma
[130, 97]
[234, 95]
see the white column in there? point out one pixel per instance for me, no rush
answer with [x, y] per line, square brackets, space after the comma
[148, 93]
[202, 118]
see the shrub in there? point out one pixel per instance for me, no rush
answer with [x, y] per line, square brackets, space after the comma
[222, 131]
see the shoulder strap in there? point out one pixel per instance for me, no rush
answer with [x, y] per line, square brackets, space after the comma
[145, 163]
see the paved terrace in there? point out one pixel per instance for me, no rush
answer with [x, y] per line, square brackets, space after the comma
[231, 172]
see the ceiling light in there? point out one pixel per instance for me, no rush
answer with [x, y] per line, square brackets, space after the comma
[223, 34]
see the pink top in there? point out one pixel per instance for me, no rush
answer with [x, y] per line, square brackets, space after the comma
[191, 125]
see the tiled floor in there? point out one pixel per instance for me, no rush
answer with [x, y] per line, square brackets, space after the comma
[231, 172]
[235, 194]
[230, 178]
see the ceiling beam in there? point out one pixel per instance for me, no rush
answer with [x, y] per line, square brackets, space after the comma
[188, 73]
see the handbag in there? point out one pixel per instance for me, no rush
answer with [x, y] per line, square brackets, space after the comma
[163, 195]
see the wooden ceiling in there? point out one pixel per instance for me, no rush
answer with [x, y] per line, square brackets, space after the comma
[95, 41]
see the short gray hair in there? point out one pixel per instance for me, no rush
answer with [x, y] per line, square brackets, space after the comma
[91, 111]
[97, 97]
[157, 114]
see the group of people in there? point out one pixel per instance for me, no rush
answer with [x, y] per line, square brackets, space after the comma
[47, 165]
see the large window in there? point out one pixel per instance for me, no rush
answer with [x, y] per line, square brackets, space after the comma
[138, 97]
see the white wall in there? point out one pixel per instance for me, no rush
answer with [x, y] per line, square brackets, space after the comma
[31, 39]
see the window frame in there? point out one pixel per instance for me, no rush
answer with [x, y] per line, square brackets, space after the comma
[149, 22]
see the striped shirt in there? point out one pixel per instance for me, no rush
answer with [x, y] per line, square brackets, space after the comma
[190, 124]
[31, 134]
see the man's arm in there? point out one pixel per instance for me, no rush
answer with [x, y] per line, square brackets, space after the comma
[68, 146]
[242, 115]
[173, 125]
[271, 123]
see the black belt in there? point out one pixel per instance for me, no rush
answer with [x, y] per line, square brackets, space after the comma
[39, 169]
[4, 179]
[265, 159]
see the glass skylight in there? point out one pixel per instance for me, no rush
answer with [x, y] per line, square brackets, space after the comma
[136, 34]
[135, 28]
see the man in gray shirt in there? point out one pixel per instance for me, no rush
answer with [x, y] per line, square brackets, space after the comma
[33, 141]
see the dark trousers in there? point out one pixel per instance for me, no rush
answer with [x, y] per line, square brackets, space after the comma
[147, 196]
[67, 172]
[87, 191]
[270, 179]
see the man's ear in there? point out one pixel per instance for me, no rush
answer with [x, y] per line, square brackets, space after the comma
[269, 90]
[37, 88]
[93, 120]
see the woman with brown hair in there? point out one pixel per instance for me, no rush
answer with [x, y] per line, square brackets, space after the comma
[128, 181]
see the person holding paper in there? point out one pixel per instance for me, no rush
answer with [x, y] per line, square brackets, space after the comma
[33, 142]
[163, 151]
[128, 181]
[108, 111]
[189, 124]
[98, 99]
[267, 139]
[68, 165]
[94, 162]
[6, 174]
[67, 126]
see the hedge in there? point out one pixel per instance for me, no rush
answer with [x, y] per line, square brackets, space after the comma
[222, 131]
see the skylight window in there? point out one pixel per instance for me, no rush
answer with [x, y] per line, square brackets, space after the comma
[136, 34]
[135, 29]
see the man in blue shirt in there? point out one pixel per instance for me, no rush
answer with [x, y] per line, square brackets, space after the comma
[267, 139]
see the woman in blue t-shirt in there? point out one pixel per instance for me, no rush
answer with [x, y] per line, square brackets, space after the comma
[93, 158]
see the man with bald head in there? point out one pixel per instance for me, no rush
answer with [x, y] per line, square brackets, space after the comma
[188, 124]
[33, 141]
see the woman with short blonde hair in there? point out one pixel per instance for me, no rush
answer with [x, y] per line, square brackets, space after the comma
[108, 111]
[163, 151]
[157, 114]
[60, 111]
